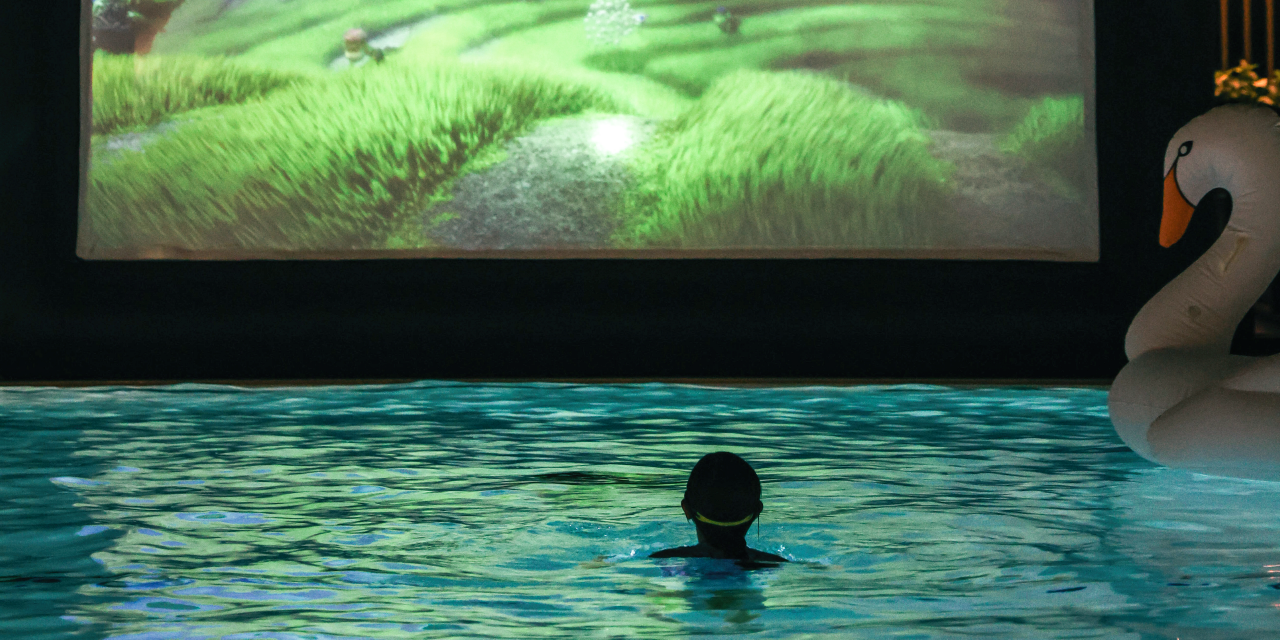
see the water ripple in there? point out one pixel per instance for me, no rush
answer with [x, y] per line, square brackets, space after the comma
[447, 509]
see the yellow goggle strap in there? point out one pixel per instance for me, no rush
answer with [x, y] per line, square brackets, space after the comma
[702, 518]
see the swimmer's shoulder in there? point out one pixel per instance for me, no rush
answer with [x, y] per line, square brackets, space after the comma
[755, 555]
[681, 552]
[700, 551]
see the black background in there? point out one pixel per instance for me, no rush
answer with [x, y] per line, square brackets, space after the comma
[62, 318]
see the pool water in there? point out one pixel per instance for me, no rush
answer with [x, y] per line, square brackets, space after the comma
[441, 510]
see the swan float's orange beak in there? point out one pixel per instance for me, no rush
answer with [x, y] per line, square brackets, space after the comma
[1177, 210]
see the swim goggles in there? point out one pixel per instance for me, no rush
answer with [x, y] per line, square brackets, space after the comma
[701, 518]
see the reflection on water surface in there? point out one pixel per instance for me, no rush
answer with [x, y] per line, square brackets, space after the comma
[441, 510]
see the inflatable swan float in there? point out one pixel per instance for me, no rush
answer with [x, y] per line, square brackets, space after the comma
[1183, 400]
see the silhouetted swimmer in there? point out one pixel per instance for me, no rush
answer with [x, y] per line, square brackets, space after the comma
[722, 498]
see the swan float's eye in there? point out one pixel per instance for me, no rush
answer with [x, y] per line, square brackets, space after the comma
[1184, 149]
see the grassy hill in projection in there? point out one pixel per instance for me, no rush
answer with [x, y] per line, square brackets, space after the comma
[494, 125]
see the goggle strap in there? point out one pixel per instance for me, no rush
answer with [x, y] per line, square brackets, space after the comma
[702, 518]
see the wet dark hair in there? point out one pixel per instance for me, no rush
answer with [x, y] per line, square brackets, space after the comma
[724, 488]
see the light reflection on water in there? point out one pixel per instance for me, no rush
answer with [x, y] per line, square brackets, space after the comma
[447, 510]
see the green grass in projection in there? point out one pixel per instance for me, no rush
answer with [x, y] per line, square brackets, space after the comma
[923, 53]
[294, 31]
[1052, 139]
[876, 45]
[937, 85]
[540, 37]
[310, 33]
[467, 27]
[809, 127]
[693, 55]
[322, 166]
[786, 160]
[131, 91]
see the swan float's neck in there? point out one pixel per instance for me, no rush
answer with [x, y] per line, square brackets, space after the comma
[1200, 309]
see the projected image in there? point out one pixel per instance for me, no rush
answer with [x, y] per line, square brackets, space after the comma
[412, 128]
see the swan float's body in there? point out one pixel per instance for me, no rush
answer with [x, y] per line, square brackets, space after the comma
[1183, 400]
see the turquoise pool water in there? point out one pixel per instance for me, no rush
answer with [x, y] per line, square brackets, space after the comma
[440, 510]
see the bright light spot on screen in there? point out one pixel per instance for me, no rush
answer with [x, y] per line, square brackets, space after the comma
[612, 137]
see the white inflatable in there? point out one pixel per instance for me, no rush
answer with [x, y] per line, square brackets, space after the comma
[1183, 400]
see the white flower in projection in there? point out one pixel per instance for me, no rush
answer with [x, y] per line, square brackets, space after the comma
[609, 21]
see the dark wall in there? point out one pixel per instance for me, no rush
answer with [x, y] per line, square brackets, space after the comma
[65, 319]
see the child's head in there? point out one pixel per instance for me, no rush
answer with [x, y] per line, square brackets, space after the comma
[722, 498]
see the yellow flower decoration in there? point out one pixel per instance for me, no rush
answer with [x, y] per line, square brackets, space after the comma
[1242, 84]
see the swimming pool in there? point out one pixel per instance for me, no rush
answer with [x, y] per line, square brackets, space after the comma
[442, 510]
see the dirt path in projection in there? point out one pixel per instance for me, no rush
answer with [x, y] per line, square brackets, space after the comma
[1000, 205]
[558, 188]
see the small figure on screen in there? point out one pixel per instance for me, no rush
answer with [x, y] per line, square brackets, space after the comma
[727, 22]
[722, 498]
[356, 50]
